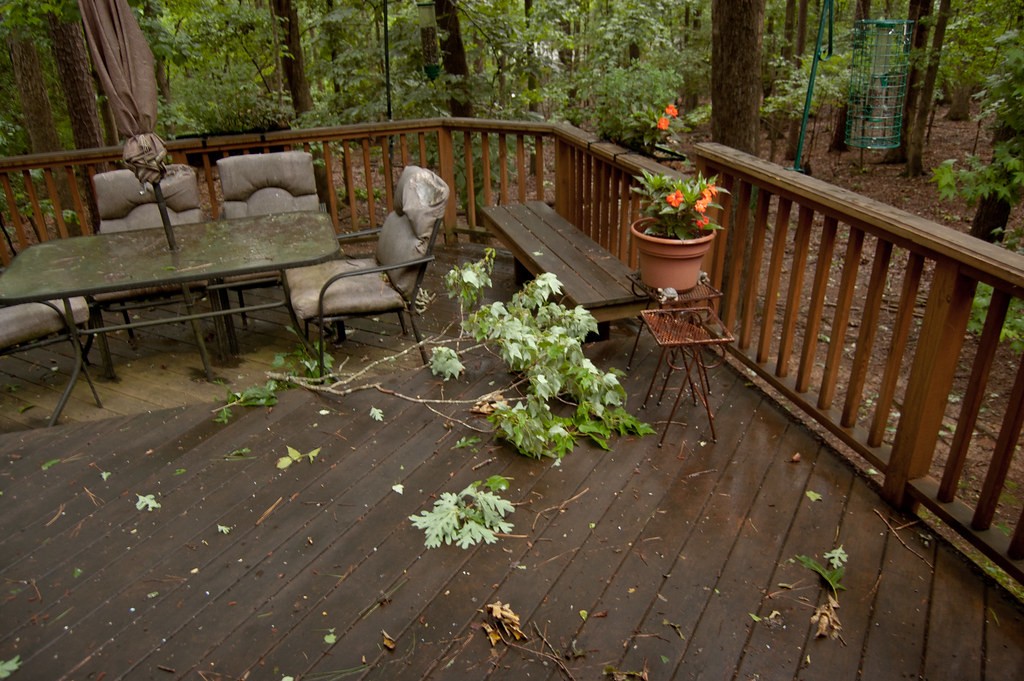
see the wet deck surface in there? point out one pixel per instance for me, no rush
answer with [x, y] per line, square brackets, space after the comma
[675, 562]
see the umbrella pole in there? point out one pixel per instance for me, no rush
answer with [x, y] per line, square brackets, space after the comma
[185, 292]
[164, 217]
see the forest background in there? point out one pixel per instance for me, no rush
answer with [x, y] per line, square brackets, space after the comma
[738, 70]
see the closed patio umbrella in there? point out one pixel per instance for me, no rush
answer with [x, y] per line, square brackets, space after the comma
[125, 65]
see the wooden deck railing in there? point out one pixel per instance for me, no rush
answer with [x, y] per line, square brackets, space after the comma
[856, 312]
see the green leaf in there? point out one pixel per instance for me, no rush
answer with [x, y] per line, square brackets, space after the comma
[50, 464]
[105, 475]
[284, 462]
[584, 614]
[330, 638]
[146, 502]
[836, 557]
[467, 442]
[376, 414]
[812, 495]
[8, 667]
[224, 529]
[464, 519]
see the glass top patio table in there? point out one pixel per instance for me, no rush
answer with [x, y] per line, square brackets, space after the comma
[127, 260]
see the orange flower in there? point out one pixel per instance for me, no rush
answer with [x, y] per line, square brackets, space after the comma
[709, 193]
[675, 198]
[663, 123]
[701, 205]
[671, 110]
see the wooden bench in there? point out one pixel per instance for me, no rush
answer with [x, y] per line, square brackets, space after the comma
[543, 241]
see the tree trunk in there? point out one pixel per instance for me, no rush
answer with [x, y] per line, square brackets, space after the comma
[793, 138]
[736, 30]
[993, 212]
[919, 9]
[925, 100]
[69, 53]
[453, 56]
[292, 63]
[35, 103]
[959, 102]
[838, 144]
[72, 61]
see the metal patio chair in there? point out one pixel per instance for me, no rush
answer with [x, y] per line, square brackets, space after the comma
[387, 282]
[27, 326]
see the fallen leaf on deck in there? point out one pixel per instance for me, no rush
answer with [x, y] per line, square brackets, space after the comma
[618, 675]
[389, 642]
[504, 622]
[827, 620]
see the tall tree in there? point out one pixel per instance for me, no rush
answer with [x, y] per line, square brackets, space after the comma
[35, 102]
[919, 11]
[72, 61]
[291, 59]
[453, 57]
[797, 57]
[736, 32]
[862, 11]
[926, 97]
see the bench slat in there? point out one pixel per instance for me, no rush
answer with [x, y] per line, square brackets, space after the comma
[543, 241]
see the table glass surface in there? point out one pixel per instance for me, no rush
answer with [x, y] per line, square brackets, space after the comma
[133, 259]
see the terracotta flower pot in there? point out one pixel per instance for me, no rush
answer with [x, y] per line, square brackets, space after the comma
[669, 263]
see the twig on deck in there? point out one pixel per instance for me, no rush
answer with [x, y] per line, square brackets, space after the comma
[905, 545]
[96, 501]
[56, 516]
[270, 510]
[560, 507]
[540, 653]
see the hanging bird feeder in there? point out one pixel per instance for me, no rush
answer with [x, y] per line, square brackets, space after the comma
[878, 83]
[428, 36]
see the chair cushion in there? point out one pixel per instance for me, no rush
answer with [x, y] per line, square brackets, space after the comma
[359, 294]
[260, 184]
[33, 321]
[124, 203]
[420, 200]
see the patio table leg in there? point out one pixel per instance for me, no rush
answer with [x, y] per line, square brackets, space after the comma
[197, 332]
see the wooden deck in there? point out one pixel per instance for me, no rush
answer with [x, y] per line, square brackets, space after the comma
[675, 562]
[163, 369]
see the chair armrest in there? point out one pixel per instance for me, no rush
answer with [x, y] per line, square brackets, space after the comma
[361, 234]
[370, 270]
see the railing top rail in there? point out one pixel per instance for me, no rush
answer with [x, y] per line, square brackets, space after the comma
[876, 217]
[296, 136]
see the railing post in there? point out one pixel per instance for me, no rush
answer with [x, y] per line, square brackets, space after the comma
[931, 377]
[446, 166]
[565, 180]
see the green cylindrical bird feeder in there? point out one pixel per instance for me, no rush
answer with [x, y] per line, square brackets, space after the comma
[878, 83]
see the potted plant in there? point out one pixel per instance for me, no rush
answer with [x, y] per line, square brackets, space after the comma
[676, 230]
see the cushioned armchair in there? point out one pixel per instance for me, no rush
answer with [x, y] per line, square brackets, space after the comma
[124, 204]
[261, 184]
[32, 325]
[387, 282]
